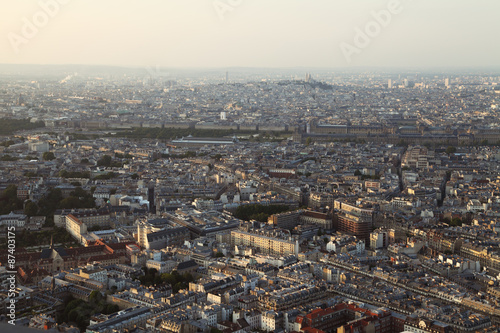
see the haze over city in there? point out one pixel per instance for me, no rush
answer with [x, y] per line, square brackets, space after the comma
[257, 33]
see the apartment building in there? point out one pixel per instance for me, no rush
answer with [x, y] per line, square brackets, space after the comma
[267, 243]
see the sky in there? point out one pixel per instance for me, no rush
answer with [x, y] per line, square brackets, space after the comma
[251, 33]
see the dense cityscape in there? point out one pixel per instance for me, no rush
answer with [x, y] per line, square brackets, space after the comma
[247, 200]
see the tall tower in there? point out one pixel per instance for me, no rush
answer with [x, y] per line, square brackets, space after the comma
[151, 198]
[20, 100]
[227, 77]
[447, 82]
[389, 84]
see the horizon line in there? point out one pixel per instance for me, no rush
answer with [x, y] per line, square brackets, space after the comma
[262, 67]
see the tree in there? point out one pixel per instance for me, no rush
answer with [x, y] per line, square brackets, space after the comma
[104, 161]
[30, 209]
[95, 297]
[357, 173]
[72, 315]
[110, 308]
[11, 192]
[8, 158]
[74, 174]
[258, 212]
[178, 286]
[308, 141]
[81, 321]
[70, 202]
[48, 156]
[79, 192]
[451, 150]
[9, 201]
[107, 175]
[188, 277]
[168, 278]
[48, 204]
[9, 126]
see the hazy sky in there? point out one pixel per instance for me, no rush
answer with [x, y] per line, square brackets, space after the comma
[251, 33]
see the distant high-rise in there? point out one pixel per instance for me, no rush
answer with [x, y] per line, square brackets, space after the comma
[389, 84]
[447, 82]
[20, 100]
[227, 77]
[151, 197]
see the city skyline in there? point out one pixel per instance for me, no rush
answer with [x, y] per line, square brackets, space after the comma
[241, 166]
